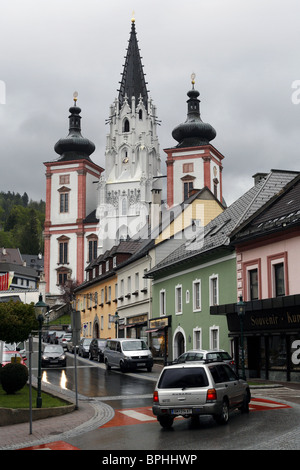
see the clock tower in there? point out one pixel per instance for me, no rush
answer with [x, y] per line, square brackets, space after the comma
[132, 162]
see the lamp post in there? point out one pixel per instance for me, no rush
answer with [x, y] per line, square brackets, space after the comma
[40, 310]
[241, 310]
[116, 320]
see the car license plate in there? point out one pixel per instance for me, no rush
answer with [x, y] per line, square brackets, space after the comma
[141, 364]
[182, 411]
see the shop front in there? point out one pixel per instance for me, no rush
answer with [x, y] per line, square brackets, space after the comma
[158, 331]
[271, 332]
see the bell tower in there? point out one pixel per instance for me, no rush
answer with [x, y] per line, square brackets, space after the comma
[194, 163]
[70, 197]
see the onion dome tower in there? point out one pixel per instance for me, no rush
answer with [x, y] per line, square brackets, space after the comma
[193, 132]
[193, 163]
[74, 146]
[71, 197]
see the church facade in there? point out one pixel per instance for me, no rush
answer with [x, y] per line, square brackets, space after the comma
[88, 211]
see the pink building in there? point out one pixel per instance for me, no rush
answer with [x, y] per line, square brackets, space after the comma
[268, 280]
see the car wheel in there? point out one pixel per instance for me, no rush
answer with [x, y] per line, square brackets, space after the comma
[245, 405]
[165, 421]
[149, 369]
[123, 367]
[99, 358]
[107, 365]
[223, 417]
[90, 356]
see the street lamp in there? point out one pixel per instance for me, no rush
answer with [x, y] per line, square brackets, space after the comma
[40, 311]
[241, 311]
[116, 320]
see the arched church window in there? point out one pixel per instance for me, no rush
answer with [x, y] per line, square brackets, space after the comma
[124, 206]
[140, 114]
[126, 126]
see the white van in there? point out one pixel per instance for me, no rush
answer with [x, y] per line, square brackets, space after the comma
[127, 354]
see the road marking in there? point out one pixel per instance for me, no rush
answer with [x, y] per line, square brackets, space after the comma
[56, 445]
[137, 415]
[261, 404]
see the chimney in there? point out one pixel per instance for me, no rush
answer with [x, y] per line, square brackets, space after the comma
[258, 177]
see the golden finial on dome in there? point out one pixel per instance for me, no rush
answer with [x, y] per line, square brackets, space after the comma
[133, 18]
[75, 95]
[193, 76]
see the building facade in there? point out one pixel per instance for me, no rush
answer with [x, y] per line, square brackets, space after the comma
[268, 272]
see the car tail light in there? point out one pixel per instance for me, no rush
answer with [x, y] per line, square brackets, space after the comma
[155, 397]
[211, 394]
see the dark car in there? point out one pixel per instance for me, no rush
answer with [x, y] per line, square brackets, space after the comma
[97, 349]
[54, 355]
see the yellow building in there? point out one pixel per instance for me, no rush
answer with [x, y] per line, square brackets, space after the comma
[96, 298]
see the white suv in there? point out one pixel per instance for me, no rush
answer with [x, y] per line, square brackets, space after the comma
[192, 389]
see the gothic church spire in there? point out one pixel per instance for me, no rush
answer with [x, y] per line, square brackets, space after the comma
[133, 78]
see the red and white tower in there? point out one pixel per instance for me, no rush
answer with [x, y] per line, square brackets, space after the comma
[71, 197]
[194, 163]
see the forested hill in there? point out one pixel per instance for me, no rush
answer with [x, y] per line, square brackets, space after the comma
[21, 223]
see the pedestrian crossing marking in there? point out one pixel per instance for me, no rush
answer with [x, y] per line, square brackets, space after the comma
[128, 417]
[137, 415]
[261, 404]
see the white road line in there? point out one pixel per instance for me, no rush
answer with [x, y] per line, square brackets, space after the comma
[137, 415]
[266, 404]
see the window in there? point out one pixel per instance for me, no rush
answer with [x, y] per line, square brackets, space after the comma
[278, 284]
[214, 337]
[253, 284]
[279, 289]
[214, 290]
[137, 282]
[107, 266]
[64, 202]
[126, 125]
[187, 167]
[92, 250]
[140, 114]
[187, 187]
[114, 262]
[64, 179]
[197, 338]
[63, 251]
[129, 284]
[178, 300]
[162, 302]
[62, 277]
[197, 295]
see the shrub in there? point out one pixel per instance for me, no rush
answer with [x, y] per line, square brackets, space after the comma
[13, 377]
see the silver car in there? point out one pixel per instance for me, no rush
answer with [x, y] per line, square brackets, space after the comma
[194, 389]
[205, 354]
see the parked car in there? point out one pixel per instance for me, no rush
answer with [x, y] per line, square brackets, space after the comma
[84, 347]
[96, 351]
[54, 355]
[191, 390]
[11, 356]
[203, 354]
[63, 340]
[127, 354]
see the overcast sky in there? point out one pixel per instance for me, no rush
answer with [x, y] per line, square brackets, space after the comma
[245, 54]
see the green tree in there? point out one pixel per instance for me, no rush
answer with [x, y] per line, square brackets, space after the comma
[17, 320]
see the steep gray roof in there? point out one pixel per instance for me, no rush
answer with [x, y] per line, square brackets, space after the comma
[216, 234]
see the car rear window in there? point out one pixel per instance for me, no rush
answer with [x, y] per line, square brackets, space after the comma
[183, 378]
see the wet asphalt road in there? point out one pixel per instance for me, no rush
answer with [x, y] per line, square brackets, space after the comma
[260, 430]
